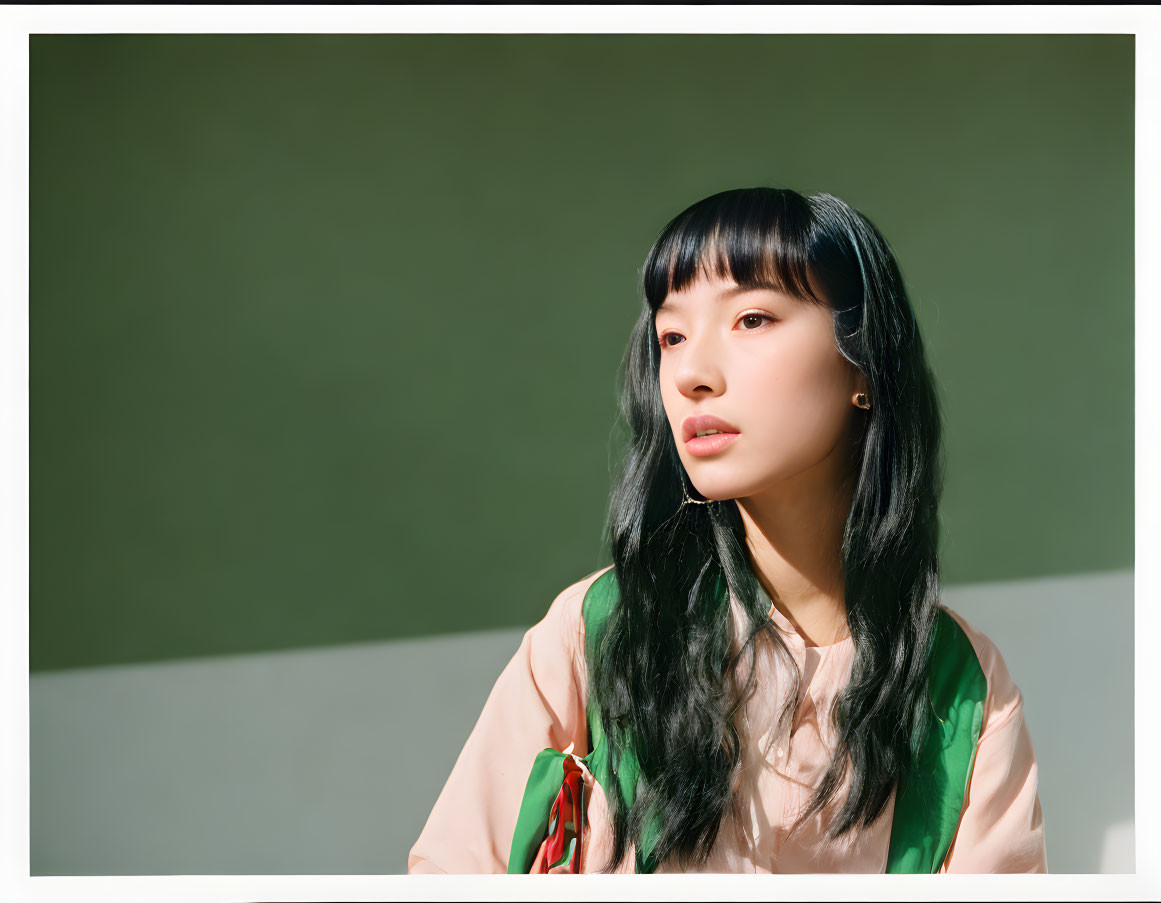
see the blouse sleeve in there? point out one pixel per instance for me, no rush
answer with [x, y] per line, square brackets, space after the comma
[1002, 826]
[538, 701]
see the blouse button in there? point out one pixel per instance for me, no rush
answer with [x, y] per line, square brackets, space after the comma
[780, 752]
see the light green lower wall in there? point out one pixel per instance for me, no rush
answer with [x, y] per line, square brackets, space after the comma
[327, 761]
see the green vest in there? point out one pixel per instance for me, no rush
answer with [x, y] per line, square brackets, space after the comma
[928, 804]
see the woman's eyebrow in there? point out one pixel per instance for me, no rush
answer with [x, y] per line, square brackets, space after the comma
[725, 294]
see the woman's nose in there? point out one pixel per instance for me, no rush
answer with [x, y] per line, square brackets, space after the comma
[699, 367]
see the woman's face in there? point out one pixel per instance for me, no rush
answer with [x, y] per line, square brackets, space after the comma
[767, 365]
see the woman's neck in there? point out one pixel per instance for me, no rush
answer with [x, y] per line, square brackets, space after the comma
[794, 538]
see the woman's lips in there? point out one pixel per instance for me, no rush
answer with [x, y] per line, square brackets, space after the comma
[710, 445]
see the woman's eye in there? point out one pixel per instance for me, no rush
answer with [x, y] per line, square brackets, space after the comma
[664, 342]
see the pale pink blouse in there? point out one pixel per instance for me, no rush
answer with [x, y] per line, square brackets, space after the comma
[538, 701]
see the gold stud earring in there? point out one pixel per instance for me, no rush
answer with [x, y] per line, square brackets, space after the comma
[861, 402]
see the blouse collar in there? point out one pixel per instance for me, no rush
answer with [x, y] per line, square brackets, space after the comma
[829, 667]
[785, 625]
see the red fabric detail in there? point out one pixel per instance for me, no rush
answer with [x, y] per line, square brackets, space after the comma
[565, 824]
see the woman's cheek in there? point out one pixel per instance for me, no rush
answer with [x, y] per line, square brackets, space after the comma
[801, 423]
[822, 411]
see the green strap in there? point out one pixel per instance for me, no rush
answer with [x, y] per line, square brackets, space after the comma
[927, 805]
[532, 823]
[599, 601]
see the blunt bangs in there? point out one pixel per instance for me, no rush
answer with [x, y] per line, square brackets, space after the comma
[761, 238]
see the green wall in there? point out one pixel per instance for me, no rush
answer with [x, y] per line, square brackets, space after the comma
[325, 329]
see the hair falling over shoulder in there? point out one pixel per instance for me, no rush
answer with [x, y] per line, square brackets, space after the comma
[667, 672]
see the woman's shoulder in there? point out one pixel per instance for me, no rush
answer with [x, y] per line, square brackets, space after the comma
[568, 606]
[1004, 699]
[563, 622]
[580, 587]
[560, 634]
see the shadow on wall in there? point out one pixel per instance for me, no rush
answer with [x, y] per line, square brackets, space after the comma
[328, 761]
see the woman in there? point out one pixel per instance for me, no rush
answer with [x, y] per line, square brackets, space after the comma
[764, 680]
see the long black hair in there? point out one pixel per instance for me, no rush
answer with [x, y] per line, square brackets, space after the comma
[665, 671]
